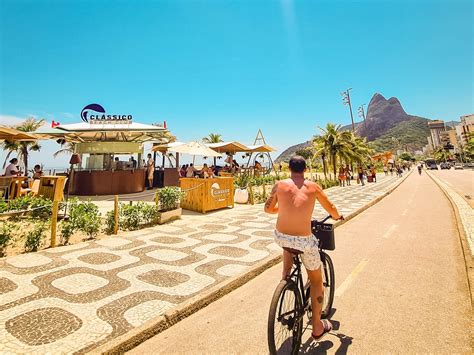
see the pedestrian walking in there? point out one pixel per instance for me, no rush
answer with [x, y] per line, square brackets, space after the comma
[348, 176]
[342, 177]
[385, 170]
[360, 172]
[374, 174]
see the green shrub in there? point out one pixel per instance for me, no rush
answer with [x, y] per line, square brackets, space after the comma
[21, 203]
[129, 217]
[169, 198]
[66, 230]
[42, 207]
[84, 216]
[149, 213]
[34, 238]
[242, 181]
[109, 222]
[3, 205]
[6, 232]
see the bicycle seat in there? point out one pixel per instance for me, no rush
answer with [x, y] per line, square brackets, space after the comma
[293, 251]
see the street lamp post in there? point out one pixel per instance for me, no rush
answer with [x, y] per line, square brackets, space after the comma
[346, 100]
[362, 113]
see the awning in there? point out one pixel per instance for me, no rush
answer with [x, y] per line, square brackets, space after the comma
[230, 147]
[107, 131]
[12, 134]
[260, 148]
[163, 148]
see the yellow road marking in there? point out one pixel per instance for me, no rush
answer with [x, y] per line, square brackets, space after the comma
[390, 231]
[348, 281]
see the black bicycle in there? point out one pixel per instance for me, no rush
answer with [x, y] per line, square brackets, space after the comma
[291, 299]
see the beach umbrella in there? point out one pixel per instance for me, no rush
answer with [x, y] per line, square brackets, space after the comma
[194, 148]
[11, 134]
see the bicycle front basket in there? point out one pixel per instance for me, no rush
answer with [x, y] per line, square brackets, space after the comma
[325, 234]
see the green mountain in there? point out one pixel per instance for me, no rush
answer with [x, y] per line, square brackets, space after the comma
[410, 135]
[387, 127]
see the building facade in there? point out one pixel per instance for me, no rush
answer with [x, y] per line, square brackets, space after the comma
[436, 127]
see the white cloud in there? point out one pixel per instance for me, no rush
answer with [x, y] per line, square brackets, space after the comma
[8, 120]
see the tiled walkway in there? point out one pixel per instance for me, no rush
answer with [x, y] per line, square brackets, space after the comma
[75, 298]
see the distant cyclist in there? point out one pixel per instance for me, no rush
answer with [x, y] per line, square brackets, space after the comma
[419, 168]
[293, 200]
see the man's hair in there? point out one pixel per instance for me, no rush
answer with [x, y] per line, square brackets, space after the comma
[297, 164]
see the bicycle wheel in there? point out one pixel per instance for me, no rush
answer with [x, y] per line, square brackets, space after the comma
[285, 319]
[328, 284]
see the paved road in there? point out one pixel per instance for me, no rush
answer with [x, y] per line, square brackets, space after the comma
[401, 287]
[77, 297]
[462, 181]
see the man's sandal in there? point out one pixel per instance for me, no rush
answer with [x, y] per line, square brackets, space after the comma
[327, 327]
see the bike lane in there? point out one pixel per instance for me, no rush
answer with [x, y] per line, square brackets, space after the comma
[401, 286]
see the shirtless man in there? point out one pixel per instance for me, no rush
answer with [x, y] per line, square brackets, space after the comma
[293, 200]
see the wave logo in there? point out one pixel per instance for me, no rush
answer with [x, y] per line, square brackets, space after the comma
[91, 107]
[218, 193]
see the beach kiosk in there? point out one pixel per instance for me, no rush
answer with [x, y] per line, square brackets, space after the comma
[203, 195]
[99, 143]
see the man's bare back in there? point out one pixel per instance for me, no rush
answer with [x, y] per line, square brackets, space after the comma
[293, 199]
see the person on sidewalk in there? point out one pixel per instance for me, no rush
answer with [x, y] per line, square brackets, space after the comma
[348, 176]
[150, 171]
[360, 172]
[374, 173]
[385, 170]
[293, 200]
[342, 177]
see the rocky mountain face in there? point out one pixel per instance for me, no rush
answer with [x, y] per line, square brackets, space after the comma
[382, 115]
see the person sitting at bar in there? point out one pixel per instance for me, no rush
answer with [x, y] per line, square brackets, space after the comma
[182, 171]
[191, 171]
[37, 172]
[206, 172]
[235, 166]
[12, 169]
[133, 162]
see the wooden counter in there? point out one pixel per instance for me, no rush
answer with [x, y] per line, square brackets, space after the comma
[107, 182]
[204, 195]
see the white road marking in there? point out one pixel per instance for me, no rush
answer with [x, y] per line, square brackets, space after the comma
[352, 276]
[404, 213]
[389, 231]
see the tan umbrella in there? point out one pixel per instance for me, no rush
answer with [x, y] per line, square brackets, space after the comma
[12, 134]
[228, 147]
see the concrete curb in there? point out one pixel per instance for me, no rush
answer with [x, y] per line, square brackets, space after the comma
[468, 258]
[155, 326]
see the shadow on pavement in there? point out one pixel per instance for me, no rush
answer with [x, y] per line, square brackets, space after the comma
[312, 346]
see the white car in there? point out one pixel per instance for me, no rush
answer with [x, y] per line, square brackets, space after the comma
[458, 166]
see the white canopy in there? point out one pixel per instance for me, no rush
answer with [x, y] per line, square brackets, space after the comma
[194, 148]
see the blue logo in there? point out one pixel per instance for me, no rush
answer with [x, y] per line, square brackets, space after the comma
[91, 107]
[87, 115]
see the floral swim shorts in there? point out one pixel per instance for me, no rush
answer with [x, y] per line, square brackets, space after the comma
[307, 245]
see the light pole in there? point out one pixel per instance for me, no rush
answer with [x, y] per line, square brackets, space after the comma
[362, 113]
[346, 100]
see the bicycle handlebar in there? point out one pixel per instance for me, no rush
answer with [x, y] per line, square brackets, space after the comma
[329, 216]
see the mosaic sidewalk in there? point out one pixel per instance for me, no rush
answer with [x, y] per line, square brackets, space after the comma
[75, 298]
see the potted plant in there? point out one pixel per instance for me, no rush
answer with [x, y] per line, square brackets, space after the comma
[168, 200]
[241, 194]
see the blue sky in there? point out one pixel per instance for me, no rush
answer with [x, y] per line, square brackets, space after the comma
[232, 67]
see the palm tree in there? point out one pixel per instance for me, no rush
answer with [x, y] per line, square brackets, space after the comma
[66, 148]
[319, 149]
[23, 148]
[335, 144]
[440, 154]
[213, 138]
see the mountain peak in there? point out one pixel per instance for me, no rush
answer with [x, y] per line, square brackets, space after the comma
[382, 114]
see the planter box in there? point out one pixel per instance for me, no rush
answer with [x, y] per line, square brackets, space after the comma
[241, 196]
[169, 216]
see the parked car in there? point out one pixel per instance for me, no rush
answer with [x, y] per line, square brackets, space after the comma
[445, 166]
[458, 166]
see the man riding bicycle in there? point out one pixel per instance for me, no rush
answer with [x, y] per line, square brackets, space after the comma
[293, 200]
